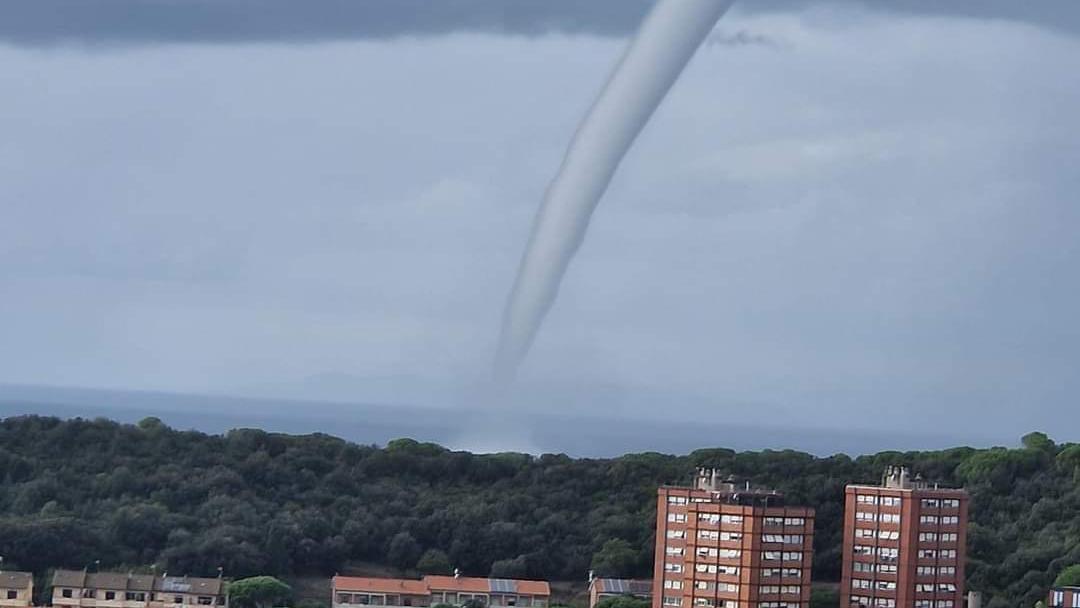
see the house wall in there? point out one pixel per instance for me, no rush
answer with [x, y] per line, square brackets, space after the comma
[23, 597]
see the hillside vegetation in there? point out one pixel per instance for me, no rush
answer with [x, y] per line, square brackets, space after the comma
[72, 492]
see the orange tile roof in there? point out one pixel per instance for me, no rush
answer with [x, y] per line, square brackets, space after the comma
[469, 584]
[380, 585]
[534, 587]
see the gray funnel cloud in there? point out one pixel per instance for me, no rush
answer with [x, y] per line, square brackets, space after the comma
[667, 40]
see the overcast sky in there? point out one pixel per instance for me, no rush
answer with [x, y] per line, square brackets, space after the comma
[842, 216]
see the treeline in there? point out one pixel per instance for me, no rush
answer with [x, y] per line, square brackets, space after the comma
[72, 492]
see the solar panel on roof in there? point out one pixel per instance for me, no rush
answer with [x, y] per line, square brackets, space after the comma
[640, 587]
[502, 585]
[173, 584]
[616, 585]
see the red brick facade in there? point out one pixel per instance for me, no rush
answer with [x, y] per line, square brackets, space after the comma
[726, 550]
[904, 545]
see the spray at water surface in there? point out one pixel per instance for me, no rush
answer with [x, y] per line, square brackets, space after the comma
[667, 40]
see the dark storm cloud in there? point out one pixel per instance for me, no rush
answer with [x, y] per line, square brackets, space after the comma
[47, 22]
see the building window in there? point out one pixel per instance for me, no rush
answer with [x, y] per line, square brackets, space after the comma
[1057, 598]
[177, 599]
[789, 539]
[1076, 599]
[676, 500]
[65, 592]
[676, 517]
[12, 595]
[888, 554]
[110, 595]
[672, 601]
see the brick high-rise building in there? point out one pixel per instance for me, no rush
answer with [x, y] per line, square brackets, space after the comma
[904, 544]
[724, 546]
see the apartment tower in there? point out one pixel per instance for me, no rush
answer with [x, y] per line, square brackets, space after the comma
[726, 545]
[904, 544]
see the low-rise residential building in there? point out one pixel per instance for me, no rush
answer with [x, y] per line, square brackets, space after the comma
[491, 591]
[364, 591]
[81, 589]
[16, 589]
[352, 591]
[1064, 597]
[601, 588]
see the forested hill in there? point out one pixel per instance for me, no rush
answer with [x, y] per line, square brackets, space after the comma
[76, 491]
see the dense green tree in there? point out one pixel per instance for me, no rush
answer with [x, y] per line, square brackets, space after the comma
[623, 601]
[434, 561]
[403, 551]
[617, 558]
[257, 502]
[259, 592]
[1069, 577]
[510, 568]
[1037, 441]
[824, 597]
